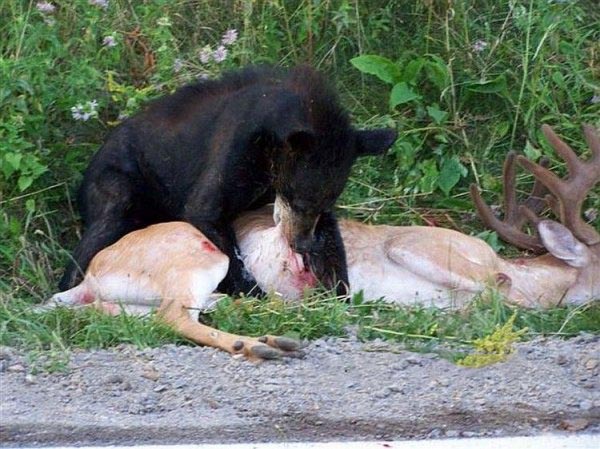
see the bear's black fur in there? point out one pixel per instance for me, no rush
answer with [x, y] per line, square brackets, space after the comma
[214, 149]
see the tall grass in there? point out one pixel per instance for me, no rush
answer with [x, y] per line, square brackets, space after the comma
[484, 75]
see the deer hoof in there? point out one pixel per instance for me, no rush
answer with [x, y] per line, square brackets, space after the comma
[265, 352]
[298, 354]
[288, 344]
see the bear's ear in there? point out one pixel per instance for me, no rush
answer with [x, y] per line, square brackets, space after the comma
[295, 139]
[292, 134]
[375, 141]
[301, 141]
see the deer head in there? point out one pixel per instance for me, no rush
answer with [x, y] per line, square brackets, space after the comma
[572, 241]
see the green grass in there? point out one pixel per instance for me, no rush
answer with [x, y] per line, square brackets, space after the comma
[320, 316]
[86, 328]
[453, 334]
[539, 64]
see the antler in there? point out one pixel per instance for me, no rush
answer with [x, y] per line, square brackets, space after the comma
[515, 216]
[570, 193]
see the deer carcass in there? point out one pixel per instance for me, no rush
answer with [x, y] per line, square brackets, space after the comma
[173, 267]
[444, 268]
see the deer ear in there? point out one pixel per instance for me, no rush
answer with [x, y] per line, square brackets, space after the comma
[563, 245]
[375, 141]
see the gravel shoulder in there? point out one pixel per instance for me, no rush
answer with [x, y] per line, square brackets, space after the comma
[342, 389]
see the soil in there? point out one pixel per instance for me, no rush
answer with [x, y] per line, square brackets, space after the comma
[341, 390]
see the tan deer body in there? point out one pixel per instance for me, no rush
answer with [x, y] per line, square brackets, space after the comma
[139, 272]
[173, 267]
[444, 268]
[428, 266]
[415, 264]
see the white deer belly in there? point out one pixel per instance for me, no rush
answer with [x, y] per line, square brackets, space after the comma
[396, 285]
[133, 295]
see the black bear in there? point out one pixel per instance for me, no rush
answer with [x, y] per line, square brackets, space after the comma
[216, 148]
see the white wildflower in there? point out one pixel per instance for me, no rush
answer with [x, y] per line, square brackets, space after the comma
[85, 112]
[229, 37]
[177, 65]
[479, 46]
[45, 7]
[101, 3]
[164, 21]
[109, 41]
[220, 54]
[205, 55]
[77, 112]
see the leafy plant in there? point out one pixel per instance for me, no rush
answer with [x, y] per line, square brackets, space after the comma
[495, 347]
[19, 162]
[443, 171]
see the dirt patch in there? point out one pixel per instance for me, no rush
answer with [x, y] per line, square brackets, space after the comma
[342, 389]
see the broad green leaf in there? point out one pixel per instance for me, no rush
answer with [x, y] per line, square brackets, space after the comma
[532, 153]
[437, 72]
[412, 70]
[15, 227]
[402, 93]
[14, 159]
[405, 153]
[436, 114]
[11, 163]
[450, 173]
[558, 79]
[24, 182]
[34, 168]
[30, 205]
[496, 86]
[491, 238]
[381, 67]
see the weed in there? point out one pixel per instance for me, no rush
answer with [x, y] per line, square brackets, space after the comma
[495, 347]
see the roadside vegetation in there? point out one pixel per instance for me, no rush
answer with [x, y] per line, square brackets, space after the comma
[463, 82]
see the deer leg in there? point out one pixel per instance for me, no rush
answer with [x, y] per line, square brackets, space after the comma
[254, 349]
[78, 297]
